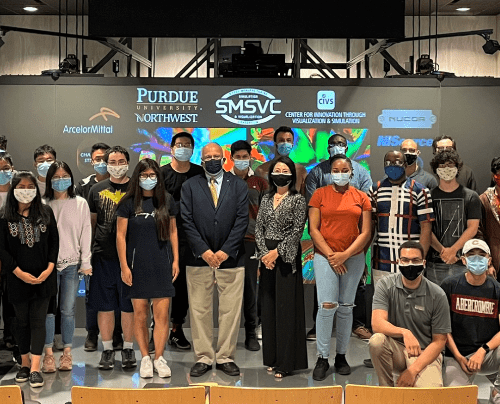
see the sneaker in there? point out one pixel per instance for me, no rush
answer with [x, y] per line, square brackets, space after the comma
[58, 344]
[36, 379]
[23, 375]
[128, 358]
[162, 368]
[178, 339]
[362, 333]
[107, 360]
[151, 347]
[16, 355]
[311, 335]
[146, 367]
[341, 365]
[66, 362]
[258, 331]
[90, 342]
[319, 372]
[49, 364]
[117, 342]
[368, 363]
[494, 397]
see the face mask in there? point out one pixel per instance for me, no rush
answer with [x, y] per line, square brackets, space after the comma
[477, 264]
[24, 195]
[394, 172]
[5, 177]
[334, 150]
[411, 272]
[497, 179]
[61, 185]
[117, 171]
[213, 167]
[42, 168]
[284, 148]
[242, 165]
[101, 168]
[447, 173]
[410, 158]
[183, 153]
[148, 184]
[340, 179]
[281, 180]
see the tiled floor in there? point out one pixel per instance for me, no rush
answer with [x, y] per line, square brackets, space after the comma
[58, 385]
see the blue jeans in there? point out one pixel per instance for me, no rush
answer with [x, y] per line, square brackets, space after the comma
[437, 272]
[68, 281]
[341, 291]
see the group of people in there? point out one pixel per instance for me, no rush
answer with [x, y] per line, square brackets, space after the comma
[166, 237]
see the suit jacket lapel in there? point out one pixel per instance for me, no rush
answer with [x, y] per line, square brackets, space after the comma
[224, 187]
[204, 186]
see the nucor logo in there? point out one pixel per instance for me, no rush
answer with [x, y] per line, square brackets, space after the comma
[247, 106]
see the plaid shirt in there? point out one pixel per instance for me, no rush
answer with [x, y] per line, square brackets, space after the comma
[398, 211]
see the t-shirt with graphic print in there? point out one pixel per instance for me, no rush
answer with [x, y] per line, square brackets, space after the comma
[103, 198]
[473, 310]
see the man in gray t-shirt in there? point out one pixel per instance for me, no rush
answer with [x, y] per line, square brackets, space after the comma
[410, 318]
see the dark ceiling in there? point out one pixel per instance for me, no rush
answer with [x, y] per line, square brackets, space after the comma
[445, 7]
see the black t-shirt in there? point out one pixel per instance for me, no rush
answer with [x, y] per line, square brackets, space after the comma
[84, 185]
[452, 210]
[474, 312]
[103, 198]
[173, 184]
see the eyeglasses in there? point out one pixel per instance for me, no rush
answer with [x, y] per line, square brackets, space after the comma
[404, 150]
[414, 261]
[64, 177]
[208, 158]
[144, 177]
[186, 145]
[117, 163]
[398, 163]
[341, 144]
[443, 148]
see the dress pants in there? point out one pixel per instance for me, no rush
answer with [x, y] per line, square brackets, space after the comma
[201, 282]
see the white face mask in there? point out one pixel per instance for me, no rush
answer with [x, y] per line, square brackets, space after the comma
[447, 173]
[117, 171]
[24, 195]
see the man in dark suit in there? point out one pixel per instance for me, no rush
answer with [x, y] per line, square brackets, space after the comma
[214, 208]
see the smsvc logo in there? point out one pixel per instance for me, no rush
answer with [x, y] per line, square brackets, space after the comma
[326, 100]
[248, 106]
[407, 118]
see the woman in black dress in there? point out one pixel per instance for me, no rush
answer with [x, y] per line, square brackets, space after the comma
[279, 227]
[147, 247]
[29, 245]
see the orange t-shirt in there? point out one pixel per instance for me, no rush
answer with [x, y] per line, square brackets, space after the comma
[340, 215]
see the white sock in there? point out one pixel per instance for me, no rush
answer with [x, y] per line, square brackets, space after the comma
[128, 345]
[108, 345]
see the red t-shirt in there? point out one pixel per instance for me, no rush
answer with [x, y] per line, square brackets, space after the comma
[340, 215]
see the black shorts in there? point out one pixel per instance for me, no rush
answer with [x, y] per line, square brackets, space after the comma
[107, 292]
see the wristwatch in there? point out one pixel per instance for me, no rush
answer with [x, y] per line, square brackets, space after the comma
[486, 348]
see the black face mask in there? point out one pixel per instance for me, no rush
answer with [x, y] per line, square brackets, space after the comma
[411, 272]
[281, 180]
[410, 158]
[213, 167]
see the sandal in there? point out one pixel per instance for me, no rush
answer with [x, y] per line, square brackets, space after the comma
[279, 374]
[271, 369]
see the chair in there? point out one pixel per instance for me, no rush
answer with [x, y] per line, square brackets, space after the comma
[243, 395]
[409, 395]
[10, 395]
[177, 395]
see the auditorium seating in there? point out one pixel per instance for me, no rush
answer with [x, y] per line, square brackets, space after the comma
[355, 394]
[10, 395]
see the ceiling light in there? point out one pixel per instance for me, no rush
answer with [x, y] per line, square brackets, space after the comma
[31, 9]
[463, 9]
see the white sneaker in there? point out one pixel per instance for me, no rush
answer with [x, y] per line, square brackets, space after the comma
[162, 368]
[258, 331]
[146, 367]
[494, 397]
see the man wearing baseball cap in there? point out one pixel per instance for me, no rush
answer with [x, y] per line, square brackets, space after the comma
[472, 346]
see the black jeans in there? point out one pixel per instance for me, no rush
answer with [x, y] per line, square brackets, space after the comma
[180, 302]
[7, 310]
[30, 325]
[250, 288]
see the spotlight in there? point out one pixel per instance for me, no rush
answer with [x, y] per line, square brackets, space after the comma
[70, 65]
[491, 46]
[425, 65]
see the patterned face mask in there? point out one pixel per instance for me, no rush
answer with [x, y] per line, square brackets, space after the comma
[24, 195]
[447, 173]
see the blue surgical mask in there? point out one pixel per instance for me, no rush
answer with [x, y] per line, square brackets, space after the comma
[5, 177]
[242, 165]
[101, 168]
[148, 184]
[183, 153]
[334, 150]
[394, 172]
[477, 264]
[340, 179]
[284, 148]
[61, 185]
[42, 168]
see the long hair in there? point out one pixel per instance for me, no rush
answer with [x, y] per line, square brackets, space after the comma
[38, 212]
[134, 192]
[291, 165]
[49, 191]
